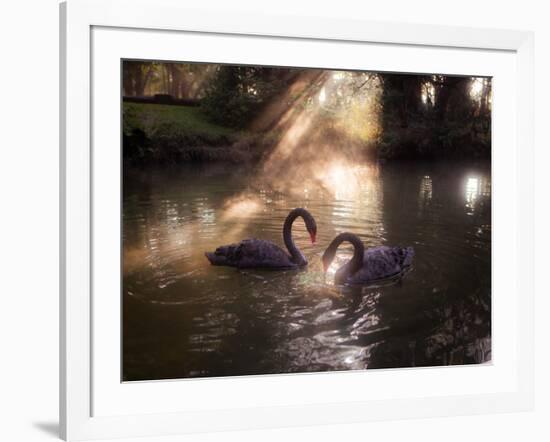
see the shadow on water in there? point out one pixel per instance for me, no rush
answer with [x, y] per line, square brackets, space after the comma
[185, 318]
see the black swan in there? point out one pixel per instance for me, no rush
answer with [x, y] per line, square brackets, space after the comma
[259, 253]
[369, 265]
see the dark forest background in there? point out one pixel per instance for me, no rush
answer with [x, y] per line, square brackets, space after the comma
[179, 112]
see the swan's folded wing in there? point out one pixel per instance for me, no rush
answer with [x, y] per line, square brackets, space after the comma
[383, 262]
[259, 253]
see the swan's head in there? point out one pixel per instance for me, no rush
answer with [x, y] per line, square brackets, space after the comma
[311, 225]
[313, 233]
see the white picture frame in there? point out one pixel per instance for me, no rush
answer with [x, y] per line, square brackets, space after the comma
[86, 394]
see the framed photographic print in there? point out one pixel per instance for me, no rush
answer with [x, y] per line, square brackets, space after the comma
[282, 221]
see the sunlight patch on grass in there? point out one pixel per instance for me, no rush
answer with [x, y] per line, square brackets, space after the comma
[156, 119]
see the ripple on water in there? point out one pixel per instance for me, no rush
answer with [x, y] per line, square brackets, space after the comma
[185, 318]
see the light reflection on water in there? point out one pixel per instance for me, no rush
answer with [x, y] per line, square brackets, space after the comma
[185, 318]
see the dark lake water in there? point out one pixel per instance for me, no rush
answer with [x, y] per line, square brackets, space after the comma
[184, 318]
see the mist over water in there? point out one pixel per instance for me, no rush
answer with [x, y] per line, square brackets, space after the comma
[183, 317]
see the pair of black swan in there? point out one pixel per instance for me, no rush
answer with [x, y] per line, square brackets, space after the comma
[365, 266]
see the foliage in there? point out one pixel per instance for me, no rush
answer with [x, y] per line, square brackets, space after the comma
[434, 117]
[179, 80]
[398, 116]
[237, 93]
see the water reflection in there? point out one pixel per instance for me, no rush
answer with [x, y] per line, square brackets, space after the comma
[185, 318]
[476, 188]
[425, 194]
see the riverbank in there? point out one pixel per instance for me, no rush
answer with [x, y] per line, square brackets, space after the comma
[170, 134]
[174, 134]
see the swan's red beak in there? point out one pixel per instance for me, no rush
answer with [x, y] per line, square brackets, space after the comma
[312, 236]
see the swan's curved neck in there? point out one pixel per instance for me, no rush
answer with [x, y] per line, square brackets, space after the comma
[356, 261]
[297, 256]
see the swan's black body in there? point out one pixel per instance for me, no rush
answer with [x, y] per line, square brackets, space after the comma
[259, 253]
[367, 266]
